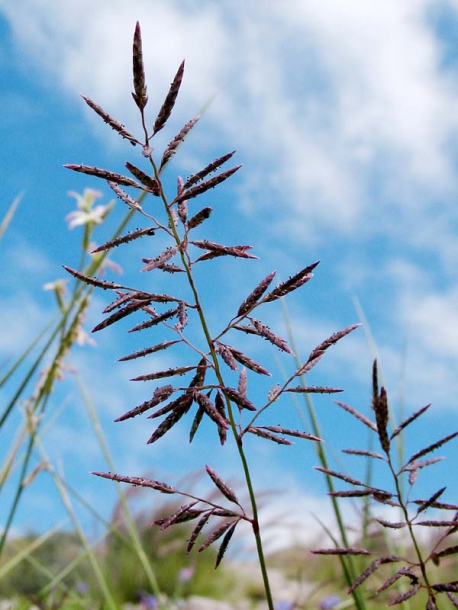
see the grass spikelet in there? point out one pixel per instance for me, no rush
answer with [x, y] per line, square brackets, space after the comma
[319, 351]
[160, 394]
[152, 185]
[148, 350]
[215, 535]
[238, 398]
[122, 313]
[263, 433]
[225, 543]
[226, 354]
[194, 191]
[93, 281]
[196, 531]
[362, 418]
[103, 173]
[155, 320]
[432, 447]
[197, 219]
[291, 284]
[295, 433]
[169, 422]
[248, 362]
[243, 382]
[124, 239]
[206, 404]
[227, 491]
[175, 143]
[252, 299]
[179, 370]
[399, 599]
[265, 332]
[139, 93]
[111, 121]
[130, 201]
[158, 261]
[211, 167]
[409, 420]
[169, 102]
[138, 482]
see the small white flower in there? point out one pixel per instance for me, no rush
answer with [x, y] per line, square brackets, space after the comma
[86, 214]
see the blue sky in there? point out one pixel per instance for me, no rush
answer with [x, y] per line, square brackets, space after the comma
[344, 116]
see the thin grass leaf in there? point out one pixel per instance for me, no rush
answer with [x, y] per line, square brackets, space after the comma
[148, 350]
[258, 431]
[409, 420]
[222, 486]
[252, 299]
[169, 102]
[103, 173]
[154, 321]
[238, 398]
[9, 216]
[160, 394]
[179, 370]
[151, 184]
[225, 543]
[124, 239]
[362, 418]
[217, 533]
[138, 482]
[194, 191]
[198, 218]
[432, 447]
[139, 93]
[175, 143]
[291, 284]
[211, 167]
[93, 281]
